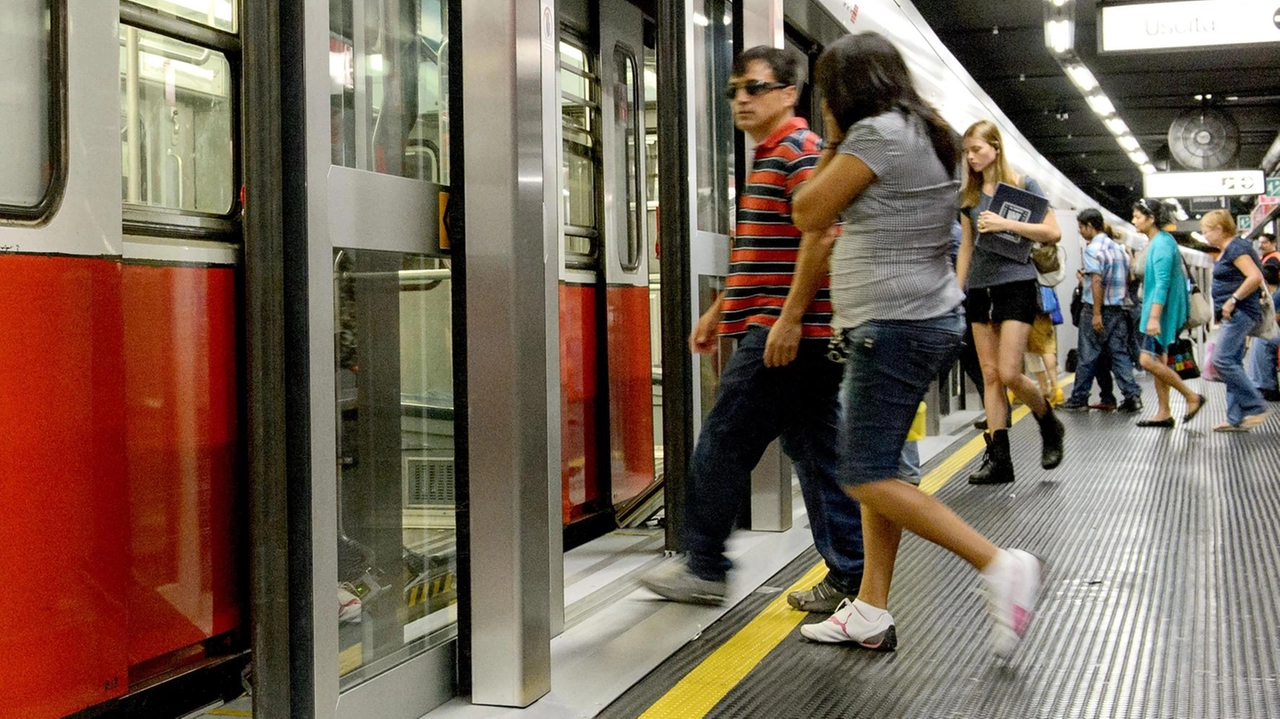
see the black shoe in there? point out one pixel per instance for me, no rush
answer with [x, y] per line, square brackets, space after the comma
[1131, 404]
[1051, 434]
[1073, 405]
[1270, 395]
[997, 465]
[980, 424]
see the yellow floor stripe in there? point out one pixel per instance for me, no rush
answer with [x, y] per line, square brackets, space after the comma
[230, 713]
[701, 689]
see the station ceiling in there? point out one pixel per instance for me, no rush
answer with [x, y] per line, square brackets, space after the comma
[1002, 45]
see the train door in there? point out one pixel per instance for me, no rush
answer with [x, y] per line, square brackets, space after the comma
[607, 367]
[380, 303]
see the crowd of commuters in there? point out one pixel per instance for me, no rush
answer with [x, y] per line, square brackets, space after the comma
[880, 299]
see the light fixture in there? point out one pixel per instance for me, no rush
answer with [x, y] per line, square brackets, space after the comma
[1116, 126]
[1148, 169]
[1059, 35]
[700, 20]
[1081, 76]
[1101, 104]
[1129, 143]
[1139, 158]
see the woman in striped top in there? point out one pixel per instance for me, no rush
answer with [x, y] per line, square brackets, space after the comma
[888, 173]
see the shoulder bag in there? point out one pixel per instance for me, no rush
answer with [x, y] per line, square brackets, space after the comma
[1198, 310]
[1265, 327]
[1181, 358]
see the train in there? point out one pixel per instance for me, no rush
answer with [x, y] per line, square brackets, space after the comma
[248, 301]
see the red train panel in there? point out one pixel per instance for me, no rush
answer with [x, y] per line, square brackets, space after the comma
[630, 391]
[181, 414]
[579, 400]
[64, 538]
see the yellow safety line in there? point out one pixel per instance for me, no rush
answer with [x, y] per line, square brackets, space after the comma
[230, 713]
[701, 689]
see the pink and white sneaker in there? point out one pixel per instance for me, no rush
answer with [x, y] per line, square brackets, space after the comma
[1012, 585]
[855, 622]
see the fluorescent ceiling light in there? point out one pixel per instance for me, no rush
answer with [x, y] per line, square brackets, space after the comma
[1128, 143]
[700, 20]
[1101, 104]
[1148, 169]
[1081, 76]
[1116, 126]
[1139, 158]
[1060, 35]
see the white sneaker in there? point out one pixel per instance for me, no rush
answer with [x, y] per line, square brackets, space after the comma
[1013, 588]
[675, 581]
[856, 622]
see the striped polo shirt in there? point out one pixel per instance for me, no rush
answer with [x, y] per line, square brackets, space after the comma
[766, 245]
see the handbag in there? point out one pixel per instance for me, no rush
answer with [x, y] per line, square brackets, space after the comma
[1077, 304]
[1265, 327]
[1049, 304]
[1198, 310]
[1181, 358]
[1045, 258]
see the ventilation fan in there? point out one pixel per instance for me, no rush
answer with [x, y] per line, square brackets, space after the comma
[1204, 139]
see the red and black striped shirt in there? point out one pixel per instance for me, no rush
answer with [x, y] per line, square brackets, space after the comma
[766, 245]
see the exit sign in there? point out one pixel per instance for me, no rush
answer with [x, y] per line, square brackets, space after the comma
[1273, 187]
[1200, 184]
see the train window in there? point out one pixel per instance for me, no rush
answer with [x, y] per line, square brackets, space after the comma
[30, 108]
[389, 87]
[397, 530]
[579, 109]
[713, 61]
[176, 124]
[217, 14]
[628, 116]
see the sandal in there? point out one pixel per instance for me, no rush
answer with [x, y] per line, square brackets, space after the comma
[1228, 427]
[1191, 413]
[1253, 420]
[1167, 422]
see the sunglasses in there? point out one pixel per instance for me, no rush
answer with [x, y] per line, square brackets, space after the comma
[754, 88]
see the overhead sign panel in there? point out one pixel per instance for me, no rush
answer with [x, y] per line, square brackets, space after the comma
[1186, 25]
[1199, 184]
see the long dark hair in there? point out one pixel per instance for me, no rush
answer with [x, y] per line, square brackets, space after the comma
[864, 75]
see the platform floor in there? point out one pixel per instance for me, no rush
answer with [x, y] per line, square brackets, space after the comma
[1163, 598]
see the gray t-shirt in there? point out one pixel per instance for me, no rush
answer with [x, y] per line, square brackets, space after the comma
[892, 261]
[988, 269]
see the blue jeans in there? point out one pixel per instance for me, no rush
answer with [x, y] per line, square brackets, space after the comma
[909, 463]
[756, 405]
[1243, 398]
[891, 363]
[1115, 339]
[1261, 362]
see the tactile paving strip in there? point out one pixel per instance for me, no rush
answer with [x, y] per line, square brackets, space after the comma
[1163, 599]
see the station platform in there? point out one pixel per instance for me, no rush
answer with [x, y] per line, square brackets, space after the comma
[1162, 598]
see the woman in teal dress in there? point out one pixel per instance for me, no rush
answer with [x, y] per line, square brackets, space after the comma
[1164, 310]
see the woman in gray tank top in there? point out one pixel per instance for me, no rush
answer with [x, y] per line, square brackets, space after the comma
[888, 170]
[1002, 301]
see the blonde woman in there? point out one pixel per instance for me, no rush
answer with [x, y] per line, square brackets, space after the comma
[1237, 283]
[1002, 300]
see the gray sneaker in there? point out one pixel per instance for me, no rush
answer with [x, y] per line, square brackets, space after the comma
[673, 580]
[822, 598]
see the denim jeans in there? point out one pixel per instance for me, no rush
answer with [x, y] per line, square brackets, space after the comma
[891, 363]
[909, 463]
[1261, 362]
[1243, 398]
[1115, 338]
[756, 405]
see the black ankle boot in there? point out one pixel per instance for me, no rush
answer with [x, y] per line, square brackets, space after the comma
[1051, 433]
[997, 466]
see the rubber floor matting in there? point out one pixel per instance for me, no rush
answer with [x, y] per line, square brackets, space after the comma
[1162, 601]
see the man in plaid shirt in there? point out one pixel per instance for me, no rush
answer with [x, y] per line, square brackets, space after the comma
[1103, 321]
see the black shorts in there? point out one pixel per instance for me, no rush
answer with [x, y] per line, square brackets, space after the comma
[1018, 301]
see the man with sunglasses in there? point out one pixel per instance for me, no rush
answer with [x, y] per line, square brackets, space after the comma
[779, 382]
